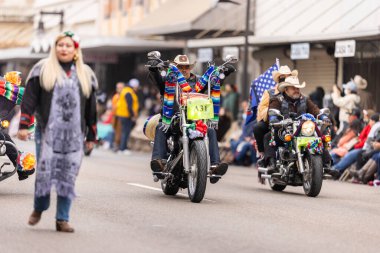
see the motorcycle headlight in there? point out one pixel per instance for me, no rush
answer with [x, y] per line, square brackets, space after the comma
[308, 128]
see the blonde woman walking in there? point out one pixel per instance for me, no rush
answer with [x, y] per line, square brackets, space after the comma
[60, 92]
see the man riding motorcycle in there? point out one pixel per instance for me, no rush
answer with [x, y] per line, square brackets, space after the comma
[291, 103]
[159, 154]
[261, 127]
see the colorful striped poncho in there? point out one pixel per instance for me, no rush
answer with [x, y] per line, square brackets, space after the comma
[11, 91]
[174, 75]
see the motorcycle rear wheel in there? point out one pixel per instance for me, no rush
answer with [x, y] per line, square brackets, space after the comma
[197, 178]
[313, 177]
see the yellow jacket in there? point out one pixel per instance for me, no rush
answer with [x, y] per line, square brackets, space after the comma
[122, 109]
[262, 109]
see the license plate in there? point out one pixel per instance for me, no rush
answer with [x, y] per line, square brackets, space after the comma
[200, 108]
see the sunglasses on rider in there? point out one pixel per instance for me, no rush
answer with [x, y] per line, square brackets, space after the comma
[183, 67]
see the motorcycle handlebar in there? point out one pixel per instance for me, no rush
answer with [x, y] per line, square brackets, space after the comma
[286, 122]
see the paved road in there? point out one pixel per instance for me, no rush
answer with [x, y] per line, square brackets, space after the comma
[120, 209]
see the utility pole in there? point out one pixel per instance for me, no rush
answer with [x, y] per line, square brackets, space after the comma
[245, 84]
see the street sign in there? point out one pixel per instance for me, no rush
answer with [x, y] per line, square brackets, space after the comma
[345, 48]
[205, 55]
[299, 51]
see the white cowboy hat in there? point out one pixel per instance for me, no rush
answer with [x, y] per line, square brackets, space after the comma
[291, 81]
[183, 60]
[150, 126]
[361, 83]
[284, 70]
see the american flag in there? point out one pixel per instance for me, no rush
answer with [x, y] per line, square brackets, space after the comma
[259, 85]
[264, 82]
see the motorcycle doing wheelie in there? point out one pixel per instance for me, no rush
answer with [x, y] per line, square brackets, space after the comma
[188, 163]
[299, 161]
[25, 161]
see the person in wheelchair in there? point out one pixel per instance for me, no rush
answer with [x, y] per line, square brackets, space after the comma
[159, 153]
[10, 96]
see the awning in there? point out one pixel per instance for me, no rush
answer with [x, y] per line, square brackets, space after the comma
[20, 53]
[98, 45]
[15, 34]
[117, 44]
[173, 16]
[307, 21]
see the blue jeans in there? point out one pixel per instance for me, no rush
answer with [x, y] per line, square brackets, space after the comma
[376, 157]
[349, 159]
[160, 150]
[246, 149]
[335, 158]
[126, 128]
[63, 206]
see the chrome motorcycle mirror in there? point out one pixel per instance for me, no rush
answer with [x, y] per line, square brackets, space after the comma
[274, 112]
[163, 73]
[325, 111]
[231, 58]
[154, 55]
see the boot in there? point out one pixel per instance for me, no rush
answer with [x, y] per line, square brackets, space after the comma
[34, 218]
[334, 173]
[218, 170]
[63, 226]
[157, 165]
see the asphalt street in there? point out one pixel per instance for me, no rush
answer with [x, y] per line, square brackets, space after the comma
[120, 209]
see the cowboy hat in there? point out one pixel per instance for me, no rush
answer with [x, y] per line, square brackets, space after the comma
[183, 60]
[284, 70]
[360, 82]
[290, 81]
[150, 126]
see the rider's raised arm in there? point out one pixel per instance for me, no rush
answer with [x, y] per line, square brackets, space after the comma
[155, 77]
[311, 107]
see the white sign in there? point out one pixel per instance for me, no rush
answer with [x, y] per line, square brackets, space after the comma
[345, 48]
[205, 55]
[300, 51]
[230, 51]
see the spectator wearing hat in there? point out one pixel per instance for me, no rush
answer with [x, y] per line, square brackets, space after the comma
[351, 157]
[347, 103]
[366, 98]
[127, 111]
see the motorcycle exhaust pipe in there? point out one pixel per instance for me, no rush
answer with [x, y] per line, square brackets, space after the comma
[263, 170]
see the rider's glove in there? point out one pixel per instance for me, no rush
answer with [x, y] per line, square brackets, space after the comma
[153, 64]
[228, 69]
